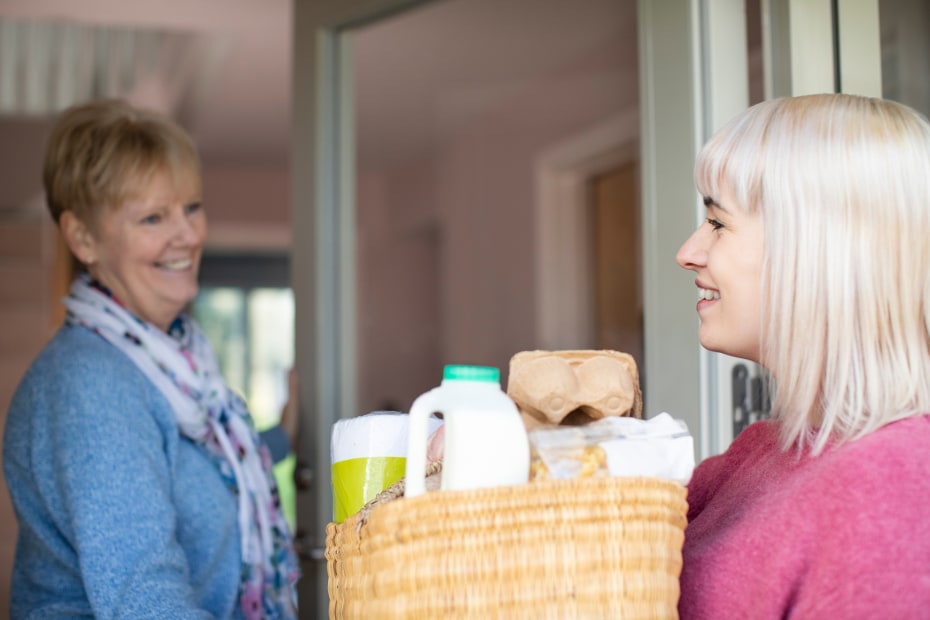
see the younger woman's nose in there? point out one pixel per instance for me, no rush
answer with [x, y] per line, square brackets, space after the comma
[692, 255]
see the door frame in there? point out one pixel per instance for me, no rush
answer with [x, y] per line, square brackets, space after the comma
[692, 56]
[322, 259]
[564, 282]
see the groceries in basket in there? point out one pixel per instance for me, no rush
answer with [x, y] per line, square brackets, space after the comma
[574, 387]
[369, 454]
[485, 443]
[659, 447]
[495, 545]
[582, 409]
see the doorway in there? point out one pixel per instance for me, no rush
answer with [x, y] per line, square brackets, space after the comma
[453, 106]
[618, 299]
[425, 223]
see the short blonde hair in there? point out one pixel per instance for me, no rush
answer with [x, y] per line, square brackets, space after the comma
[843, 186]
[99, 152]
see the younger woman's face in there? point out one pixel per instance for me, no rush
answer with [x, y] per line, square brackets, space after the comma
[725, 253]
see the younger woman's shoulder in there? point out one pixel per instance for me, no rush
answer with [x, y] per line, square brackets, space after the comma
[894, 451]
[883, 471]
[864, 510]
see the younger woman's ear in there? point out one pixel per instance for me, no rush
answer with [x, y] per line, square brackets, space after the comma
[78, 237]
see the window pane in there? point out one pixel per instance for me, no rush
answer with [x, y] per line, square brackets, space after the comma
[220, 312]
[905, 52]
[271, 344]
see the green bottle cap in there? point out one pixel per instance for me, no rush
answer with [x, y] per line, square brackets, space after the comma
[459, 372]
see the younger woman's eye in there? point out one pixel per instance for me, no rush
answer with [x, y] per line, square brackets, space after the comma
[152, 218]
[715, 224]
[193, 207]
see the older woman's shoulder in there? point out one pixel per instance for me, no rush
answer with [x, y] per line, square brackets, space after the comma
[75, 351]
[79, 369]
[75, 343]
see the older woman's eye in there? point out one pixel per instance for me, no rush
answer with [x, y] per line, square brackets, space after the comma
[153, 218]
[193, 207]
[715, 224]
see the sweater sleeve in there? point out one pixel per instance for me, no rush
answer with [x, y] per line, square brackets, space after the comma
[104, 463]
[279, 446]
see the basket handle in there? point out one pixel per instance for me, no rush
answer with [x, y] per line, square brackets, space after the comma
[420, 411]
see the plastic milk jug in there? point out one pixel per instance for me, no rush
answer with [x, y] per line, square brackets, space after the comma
[486, 444]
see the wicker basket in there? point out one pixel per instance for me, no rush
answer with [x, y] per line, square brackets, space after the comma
[561, 549]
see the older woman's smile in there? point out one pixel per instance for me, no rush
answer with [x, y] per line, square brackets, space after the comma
[176, 265]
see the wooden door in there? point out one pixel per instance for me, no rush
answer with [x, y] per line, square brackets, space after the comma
[617, 261]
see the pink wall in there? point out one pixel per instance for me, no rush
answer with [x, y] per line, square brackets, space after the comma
[21, 151]
[398, 288]
[242, 195]
[470, 297]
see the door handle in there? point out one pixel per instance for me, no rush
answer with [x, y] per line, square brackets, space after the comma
[740, 392]
[303, 476]
[306, 549]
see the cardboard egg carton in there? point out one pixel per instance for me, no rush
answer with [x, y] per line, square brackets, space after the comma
[574, 387]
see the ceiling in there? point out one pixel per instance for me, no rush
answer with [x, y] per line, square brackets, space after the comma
[224, 66]
[230, 80]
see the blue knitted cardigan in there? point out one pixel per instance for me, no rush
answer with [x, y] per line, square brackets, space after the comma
[119, 515]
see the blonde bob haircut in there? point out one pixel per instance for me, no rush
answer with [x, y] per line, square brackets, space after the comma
[99, 153]
[843, 186]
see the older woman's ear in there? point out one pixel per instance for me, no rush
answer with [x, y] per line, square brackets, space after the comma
[78, 236]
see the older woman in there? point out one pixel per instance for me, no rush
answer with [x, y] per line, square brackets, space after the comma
[139, 483]
[814, 262]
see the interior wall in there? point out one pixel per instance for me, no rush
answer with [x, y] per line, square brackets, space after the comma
[473, 292]
[398, 289]
[248, 207]
[245, 195]
[21, 147]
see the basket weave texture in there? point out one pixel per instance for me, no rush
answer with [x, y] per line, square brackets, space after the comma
[561, 549]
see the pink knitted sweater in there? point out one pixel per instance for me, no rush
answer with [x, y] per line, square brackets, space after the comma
[772, 534]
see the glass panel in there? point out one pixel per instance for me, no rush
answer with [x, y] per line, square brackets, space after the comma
[271, 347]
[906, 52]
[220, 312]
[252, 333]
[754, 51]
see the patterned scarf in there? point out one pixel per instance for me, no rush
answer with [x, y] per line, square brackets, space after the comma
[182, 365]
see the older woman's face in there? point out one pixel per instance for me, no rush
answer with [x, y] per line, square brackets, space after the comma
[725, 253]
[147, 250]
